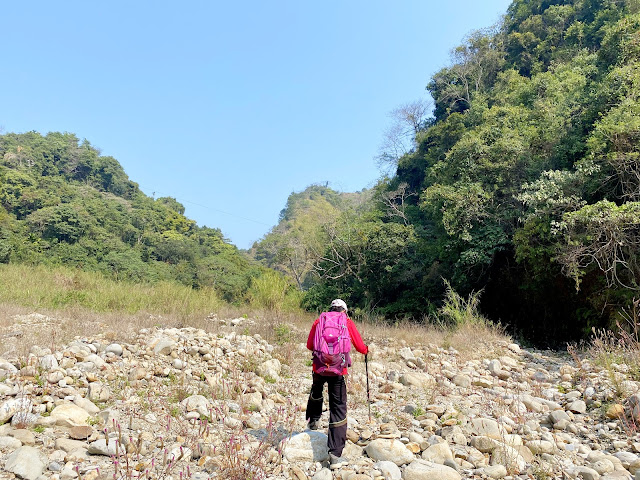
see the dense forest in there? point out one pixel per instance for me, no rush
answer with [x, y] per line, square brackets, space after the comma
[63, 203]
[522, 181]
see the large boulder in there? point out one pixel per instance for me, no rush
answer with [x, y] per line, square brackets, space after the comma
[26, 462]
[424, 470]
[307, 446]
[391, 450]
[69, 415]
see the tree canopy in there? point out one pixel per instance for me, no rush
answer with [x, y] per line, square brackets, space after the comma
[62, 202]
[525, 183]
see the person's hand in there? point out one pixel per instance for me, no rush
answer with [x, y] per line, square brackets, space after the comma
[371, 349]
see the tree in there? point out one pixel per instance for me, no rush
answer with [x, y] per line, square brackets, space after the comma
[400, 137]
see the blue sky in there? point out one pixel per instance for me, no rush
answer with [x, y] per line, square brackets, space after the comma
[228, 106]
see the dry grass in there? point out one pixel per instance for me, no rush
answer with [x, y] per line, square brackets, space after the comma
[468, 339]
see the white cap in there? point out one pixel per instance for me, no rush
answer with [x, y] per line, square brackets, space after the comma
[339, 303]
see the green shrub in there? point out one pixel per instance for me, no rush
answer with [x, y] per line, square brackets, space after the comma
[457, 311]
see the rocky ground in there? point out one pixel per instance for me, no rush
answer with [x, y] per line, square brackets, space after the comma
[189, 403]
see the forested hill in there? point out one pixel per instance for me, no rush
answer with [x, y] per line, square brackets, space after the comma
[62, 203]
[525, 182]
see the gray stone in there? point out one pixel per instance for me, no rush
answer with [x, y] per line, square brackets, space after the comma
[323, 474]
[577, 406]
[26, 462]
[486, 427]
[463, 381]
[423, 470]
[69, 415]
[9, 443]
[87, 405]
[557, 416]
[196, 403]
[163, 346]
[68, 445]
[48, 362]
[415, 379]
[100, 447]
[538, 447]
[438, 453]
[495, 471]
[390, 470]
[114, 348]
[25, 436]
[10, 407]
[586, 473]
[270, 368]
[391, 450]
[98, 392]
[309, 446]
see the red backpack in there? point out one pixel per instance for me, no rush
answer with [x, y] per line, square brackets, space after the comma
[331, 344]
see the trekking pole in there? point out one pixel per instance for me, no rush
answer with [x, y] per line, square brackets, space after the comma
[366, 367]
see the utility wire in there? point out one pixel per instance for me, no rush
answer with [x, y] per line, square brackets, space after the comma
[211, 208]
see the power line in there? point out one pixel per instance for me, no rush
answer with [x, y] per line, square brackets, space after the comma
[212, 208]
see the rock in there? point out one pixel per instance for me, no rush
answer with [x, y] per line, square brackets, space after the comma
[495, 471]
[577, 406]
[389, 450]
[87, 405]
[615, 411]
[538, 447]
[98, 392]
[69, 445]
[558, 416]
[81, 432]
[253, 401]
[9, 443]
[69, 415]
[463, 381]
[297, 473]
[197, 403]
[100, 447]
[114, 348]
[509, 457]
[423, 470]
[26, 462]
[484, 444]
[270, 368]
[24, 436]
[586, 473]
[414, 379]
[309, 446]
[163, 346]
[324, 474]
[438, 453]
[390, 470]
[486, 427]
[10, 407]
[48, 362]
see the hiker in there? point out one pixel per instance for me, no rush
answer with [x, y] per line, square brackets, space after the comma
[330, 362]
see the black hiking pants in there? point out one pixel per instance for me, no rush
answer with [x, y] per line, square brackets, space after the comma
[337, 409]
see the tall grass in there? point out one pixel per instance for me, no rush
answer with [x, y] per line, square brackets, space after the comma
[457, 311]
[60, 288]
[272, 291]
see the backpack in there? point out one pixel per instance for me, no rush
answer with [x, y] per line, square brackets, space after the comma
[331, 344]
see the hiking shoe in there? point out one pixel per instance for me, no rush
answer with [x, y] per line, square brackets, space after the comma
[336, 461]
[312, 425]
